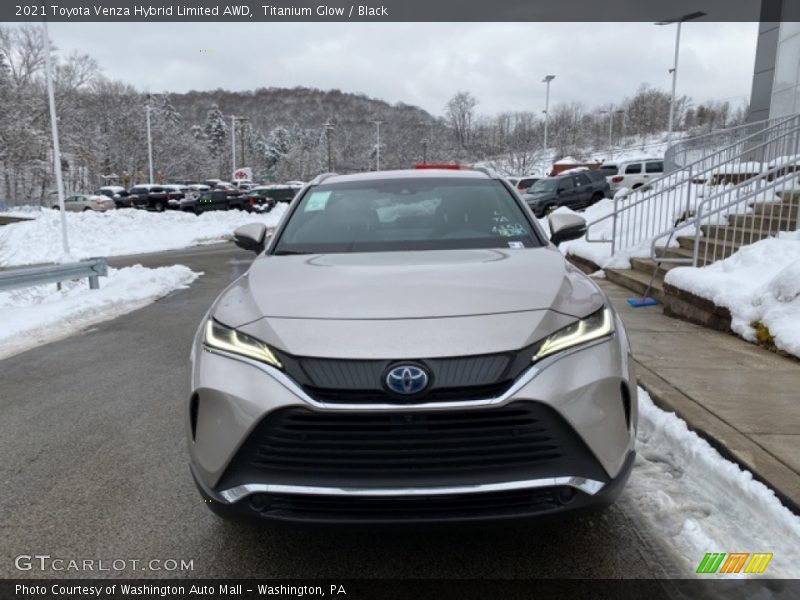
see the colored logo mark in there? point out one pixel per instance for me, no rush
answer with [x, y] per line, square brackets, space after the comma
[735, 562]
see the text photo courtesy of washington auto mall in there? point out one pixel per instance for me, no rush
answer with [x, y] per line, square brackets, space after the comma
[438, 300]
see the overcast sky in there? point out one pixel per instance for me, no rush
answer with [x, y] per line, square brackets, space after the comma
[502, 64]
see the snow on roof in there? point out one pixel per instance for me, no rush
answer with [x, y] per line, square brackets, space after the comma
[567, 160]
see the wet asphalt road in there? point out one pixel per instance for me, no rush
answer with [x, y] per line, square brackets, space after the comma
[95, 467]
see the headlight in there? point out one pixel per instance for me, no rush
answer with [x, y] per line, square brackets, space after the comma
[593, 327]
[224, 338]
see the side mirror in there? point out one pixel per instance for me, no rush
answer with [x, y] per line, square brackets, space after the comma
[560, 190]
[565, 226]
[251, 237]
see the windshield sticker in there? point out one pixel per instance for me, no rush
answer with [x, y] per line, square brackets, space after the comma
[317, 201]
[509, 230]
[516, 245]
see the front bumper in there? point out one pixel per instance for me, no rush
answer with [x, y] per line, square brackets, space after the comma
[585, 389]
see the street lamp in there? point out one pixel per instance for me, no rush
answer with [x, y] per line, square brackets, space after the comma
[424, 150]
[328, 135]
[54, 129]
[546, 81]
[377, 145]
[611, 114]
[149, 138]
[674, 70]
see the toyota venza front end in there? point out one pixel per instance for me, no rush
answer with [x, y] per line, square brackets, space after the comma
[409, 346]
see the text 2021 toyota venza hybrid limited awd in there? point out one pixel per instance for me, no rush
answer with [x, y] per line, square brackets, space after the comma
[410, 347]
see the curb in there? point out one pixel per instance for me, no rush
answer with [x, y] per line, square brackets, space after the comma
[729, 442]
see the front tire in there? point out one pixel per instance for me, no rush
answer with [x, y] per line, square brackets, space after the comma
[159, 206]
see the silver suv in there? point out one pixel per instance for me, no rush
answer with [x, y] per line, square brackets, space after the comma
[410, 346]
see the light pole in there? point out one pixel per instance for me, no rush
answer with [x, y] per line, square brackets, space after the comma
[424, 150]
[56, 150]
[674, 70]
[328, 135]
[377, 145]
[546, 81]
[233, 144]
[149, 139]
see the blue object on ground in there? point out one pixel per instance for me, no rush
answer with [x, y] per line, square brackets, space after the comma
[645, 301]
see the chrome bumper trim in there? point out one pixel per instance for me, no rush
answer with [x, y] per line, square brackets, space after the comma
[589, 486]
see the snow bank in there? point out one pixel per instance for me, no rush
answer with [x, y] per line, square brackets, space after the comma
[760, 282]
[30, 317]
[699, 502]
[120, 232]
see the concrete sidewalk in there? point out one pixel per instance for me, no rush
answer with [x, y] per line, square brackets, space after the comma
[742, 398]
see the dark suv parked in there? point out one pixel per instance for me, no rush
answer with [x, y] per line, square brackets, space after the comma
[214, 200]
[573, 190]
[149, 197]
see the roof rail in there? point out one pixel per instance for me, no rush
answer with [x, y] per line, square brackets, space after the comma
[491, 173]
[321, 177]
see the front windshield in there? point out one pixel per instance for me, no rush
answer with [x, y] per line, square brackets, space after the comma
[543, 185]
[406, 214]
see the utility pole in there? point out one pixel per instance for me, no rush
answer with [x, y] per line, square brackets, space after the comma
[546, 81]
[243, 123]
[233, 145]
[424, 150]
[328, 135]
[377, 145]
[149, 138]
[56, 150]
[674, 69]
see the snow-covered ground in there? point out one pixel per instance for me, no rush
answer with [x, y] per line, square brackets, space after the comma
[119, 232]
[758, 283]
[33, 316]
[697, 502]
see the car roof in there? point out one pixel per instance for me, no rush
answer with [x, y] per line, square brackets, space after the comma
[408, 174]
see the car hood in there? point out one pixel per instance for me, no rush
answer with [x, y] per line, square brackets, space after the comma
[407, 285]
[407, 304]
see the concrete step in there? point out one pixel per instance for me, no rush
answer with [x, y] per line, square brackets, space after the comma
[637, 282]
[789, 196]
[739, 235]
[775, 210]
[673, 252]
[717, 249]
[762, 222]
[648, 266]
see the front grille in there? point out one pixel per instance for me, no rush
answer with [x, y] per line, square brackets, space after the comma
[459, 378]
[456, 506]
[523, 440]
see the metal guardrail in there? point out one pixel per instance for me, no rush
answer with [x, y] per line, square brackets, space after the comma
[93, 269]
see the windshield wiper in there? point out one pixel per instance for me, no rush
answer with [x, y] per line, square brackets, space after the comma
[289, 252]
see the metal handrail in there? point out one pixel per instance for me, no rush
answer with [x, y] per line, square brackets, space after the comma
[692, 172]
[692, 142]
[777, 176]
[92, 269]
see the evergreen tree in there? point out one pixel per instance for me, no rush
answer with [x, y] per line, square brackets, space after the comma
[216, 131]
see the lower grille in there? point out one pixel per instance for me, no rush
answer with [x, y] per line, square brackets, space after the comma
[461, 506]
[520, 441]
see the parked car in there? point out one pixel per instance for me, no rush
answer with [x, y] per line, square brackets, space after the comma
[632, 174]
[573, 190]
[83, 202]
[365, 369]
[175, 193]
[117, 193]
[149, 197]
[279, 192]
[214, 200]
[259, 200]
[524, 183]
